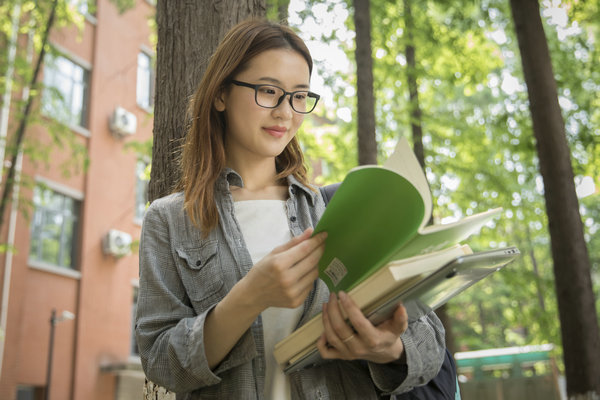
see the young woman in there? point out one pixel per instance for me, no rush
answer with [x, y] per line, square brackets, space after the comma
[228, 264]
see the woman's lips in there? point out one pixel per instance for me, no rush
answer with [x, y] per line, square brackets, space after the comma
[276, 131]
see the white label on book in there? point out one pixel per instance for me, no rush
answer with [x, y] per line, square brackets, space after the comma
[336, 271]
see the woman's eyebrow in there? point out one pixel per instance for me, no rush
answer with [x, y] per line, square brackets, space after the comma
[279, 83]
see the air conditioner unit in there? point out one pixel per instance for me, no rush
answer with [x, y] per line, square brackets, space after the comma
[116, 243]
[122, 122]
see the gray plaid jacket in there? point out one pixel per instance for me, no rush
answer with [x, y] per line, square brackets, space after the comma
[183, 276]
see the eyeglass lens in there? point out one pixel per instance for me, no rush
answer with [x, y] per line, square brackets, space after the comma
[271, 96]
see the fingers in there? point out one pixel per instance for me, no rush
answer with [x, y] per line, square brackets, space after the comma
[330, 344]
[294, 241]
[356, 337]
[304, 255]
[336, 318]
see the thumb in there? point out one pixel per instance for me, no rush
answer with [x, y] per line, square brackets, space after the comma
[399, 321]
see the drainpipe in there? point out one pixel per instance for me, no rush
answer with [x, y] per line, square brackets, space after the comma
[4, 113]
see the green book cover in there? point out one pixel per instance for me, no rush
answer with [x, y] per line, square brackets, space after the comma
[379, 214]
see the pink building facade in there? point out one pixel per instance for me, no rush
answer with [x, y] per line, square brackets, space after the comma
[71, 252]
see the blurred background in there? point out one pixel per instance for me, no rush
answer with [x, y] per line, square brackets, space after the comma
[86, 85]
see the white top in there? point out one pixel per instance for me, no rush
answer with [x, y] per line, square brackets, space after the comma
[264, 224]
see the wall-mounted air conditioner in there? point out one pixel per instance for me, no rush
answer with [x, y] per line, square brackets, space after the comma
[122, 122]
[116, 243]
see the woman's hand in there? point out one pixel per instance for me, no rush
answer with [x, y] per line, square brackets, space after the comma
[285, 276]
[380, 344]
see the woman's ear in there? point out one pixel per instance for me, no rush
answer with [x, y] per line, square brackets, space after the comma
[219, 102]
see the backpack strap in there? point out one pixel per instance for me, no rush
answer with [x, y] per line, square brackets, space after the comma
[328, 191]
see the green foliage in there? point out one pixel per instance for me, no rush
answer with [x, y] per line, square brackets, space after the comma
[479, 145]
[29, 20]
[277, 10]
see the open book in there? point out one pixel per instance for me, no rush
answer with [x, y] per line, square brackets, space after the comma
[379, 244]
[419, 293]
[379, 214]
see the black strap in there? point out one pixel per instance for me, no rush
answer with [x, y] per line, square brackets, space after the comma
[328, 191]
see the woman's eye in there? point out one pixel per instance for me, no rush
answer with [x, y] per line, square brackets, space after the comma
[300, 96]
[268, 90]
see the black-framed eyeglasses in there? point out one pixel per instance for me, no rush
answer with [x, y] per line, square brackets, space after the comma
[271, 96]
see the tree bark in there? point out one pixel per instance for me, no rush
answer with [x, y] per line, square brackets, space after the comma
[282, 11]
[9, 182]
[188, 34]
[576, 303]
[413, 88]
[367, 144]
[536, 272]
[416, 125]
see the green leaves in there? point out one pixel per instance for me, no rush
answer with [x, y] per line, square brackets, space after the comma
[479, 147]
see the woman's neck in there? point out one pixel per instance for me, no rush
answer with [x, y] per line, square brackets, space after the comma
[260, 181]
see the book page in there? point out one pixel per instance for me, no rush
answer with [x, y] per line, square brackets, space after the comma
[373, 213]
[404, 161]
[436, 237]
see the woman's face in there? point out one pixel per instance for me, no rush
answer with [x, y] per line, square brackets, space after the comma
[254, 133]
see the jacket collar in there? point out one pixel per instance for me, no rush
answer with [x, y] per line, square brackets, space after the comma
[229, 177]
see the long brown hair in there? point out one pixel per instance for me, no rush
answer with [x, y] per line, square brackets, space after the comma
[203, 155]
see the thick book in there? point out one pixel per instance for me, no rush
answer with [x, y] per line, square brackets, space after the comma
[395, 276]
[379, 214]
[420, 294]
[379, 218]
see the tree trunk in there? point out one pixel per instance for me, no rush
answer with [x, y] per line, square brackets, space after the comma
[367, 144]
[282, 10]
[578, 317]
[413, 92]
[9, 182]
[417, 135]
[536, 272]
[188, 34]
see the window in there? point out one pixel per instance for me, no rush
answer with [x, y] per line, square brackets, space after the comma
[84, 7]
[66, 90]
[142, 177]
[134, 346]
[26, 392]
[54, 228]
[145, 81]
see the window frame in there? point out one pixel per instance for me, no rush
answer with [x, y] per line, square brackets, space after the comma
[146, 104]
[51, 74]
[137, 217]
[76, 221]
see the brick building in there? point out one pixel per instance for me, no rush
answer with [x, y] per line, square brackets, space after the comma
[67, 255]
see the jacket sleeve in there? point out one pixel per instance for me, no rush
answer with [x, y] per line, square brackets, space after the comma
[170, 334]
[424, 346]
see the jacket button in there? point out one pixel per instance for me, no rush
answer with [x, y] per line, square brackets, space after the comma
[293, 218]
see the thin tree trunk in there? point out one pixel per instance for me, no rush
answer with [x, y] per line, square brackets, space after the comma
[416, 126]
[413, 92]
[536, 272]
[282, 10]
[367, 143]
[188, 34]
[20, 133]
[576, 303]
